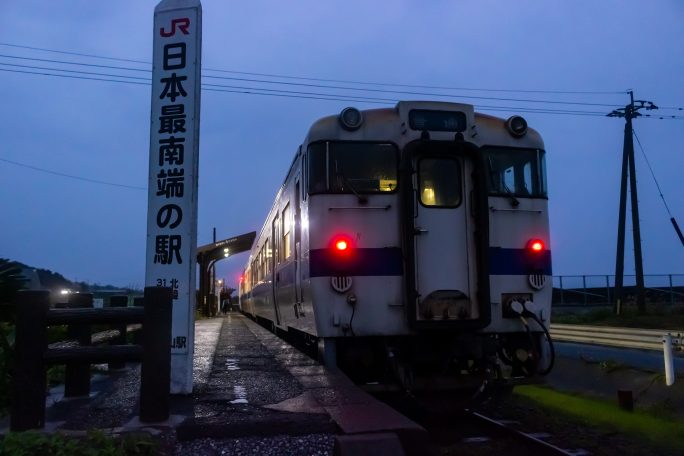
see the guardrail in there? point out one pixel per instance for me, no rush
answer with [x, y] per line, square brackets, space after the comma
[644, 339]
[599, 290]
[32, 353]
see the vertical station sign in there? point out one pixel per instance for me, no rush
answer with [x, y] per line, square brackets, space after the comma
[172, 194]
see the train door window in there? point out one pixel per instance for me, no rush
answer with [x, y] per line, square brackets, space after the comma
[262, 263]
[439, 182]
[260, 267]
[275, 235]
[287, 229]
[304, 172]
[269, 254]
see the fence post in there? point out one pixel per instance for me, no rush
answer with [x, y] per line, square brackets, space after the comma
[118, 301]
[28, 399]
[610, 301]
[584, 289]
[671, 290]
[77, 375]
[155, 373]
[560, 279]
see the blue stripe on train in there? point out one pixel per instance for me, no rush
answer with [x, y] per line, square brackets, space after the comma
[388, 262]
[518, 262]
[358, 262]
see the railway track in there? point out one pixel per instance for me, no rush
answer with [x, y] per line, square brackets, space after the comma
[537, 441]
[459, 431]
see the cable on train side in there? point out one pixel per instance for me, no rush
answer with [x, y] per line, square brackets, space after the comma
[524, 313]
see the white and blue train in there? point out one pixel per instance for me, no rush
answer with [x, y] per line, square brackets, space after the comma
[411, 243]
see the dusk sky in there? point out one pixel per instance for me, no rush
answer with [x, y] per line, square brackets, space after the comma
[99, 130]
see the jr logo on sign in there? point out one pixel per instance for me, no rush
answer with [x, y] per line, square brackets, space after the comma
[182, 24]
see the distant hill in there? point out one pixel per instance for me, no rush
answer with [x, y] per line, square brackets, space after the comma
[54, 281]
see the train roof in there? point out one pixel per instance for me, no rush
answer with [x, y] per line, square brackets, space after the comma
[386, 121]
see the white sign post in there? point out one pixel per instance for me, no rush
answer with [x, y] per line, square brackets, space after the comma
[172, 194]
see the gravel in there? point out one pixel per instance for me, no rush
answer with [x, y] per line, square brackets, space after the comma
[309, 445]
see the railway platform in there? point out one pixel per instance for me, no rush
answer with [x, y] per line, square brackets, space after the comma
[253, 393]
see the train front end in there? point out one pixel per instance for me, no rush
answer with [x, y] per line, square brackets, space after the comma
[428, 245]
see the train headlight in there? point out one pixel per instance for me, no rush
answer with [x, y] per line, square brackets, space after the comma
[516, 126]
[351, 119]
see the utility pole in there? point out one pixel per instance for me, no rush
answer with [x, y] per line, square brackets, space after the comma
[629, 112]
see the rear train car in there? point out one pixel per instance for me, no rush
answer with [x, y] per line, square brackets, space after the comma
[412, 244]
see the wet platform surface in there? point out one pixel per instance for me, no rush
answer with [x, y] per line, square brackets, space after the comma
[252, 393]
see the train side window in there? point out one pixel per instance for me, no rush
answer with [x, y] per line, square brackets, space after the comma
[317, 163]
[287, 229]
[440, 182]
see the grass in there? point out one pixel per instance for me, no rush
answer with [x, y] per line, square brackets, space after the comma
[95, 443]
[661, 431]
[656, 317]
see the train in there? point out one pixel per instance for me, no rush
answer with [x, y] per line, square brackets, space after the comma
[410, 245]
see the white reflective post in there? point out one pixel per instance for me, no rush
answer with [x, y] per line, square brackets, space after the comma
[172, 194]
[669, 362]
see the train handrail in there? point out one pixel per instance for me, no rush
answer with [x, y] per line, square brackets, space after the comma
[638, 338]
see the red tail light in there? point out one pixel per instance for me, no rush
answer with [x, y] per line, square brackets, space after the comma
[535, 245]
[341, 245]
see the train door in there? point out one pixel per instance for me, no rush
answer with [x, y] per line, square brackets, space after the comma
[298, 250]
[275, 260]
[443, 244]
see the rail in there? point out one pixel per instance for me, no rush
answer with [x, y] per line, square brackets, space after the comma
[644, 339]
[32, 353]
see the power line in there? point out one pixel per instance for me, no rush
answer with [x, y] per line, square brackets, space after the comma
[660, 191]
[351, 97]
[277, 92]
[66, 62]
[68, 76]
[72, 53]
[286, 93]
[280, 76]
[321, 86]
[675, 225]
[71, 176]
[33, 67]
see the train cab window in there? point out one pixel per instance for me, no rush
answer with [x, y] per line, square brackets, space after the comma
[519, 172]
[440, 182]
[352, 167]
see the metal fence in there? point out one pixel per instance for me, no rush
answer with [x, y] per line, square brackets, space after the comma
[599, 290]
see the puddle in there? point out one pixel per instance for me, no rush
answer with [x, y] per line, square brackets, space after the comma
[240, 395]
[232, 364]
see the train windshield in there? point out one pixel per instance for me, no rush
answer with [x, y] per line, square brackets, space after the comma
[352, 167]
[518, 172]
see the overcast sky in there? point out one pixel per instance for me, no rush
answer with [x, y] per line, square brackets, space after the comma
[100, 130]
